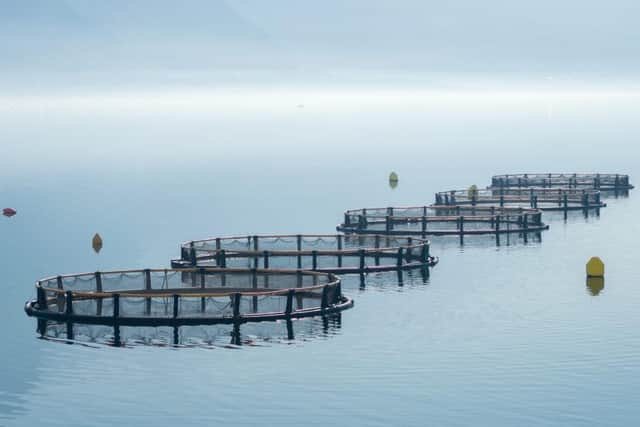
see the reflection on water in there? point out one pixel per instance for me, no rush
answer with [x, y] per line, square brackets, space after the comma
[595, 285]
[290, 331]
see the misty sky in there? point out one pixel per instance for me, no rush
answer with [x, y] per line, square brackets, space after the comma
[545, 36]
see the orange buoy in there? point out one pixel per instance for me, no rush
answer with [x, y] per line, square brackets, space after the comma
[9, 212]
[96, 243]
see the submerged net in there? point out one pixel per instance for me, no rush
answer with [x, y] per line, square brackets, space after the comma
[207, 336]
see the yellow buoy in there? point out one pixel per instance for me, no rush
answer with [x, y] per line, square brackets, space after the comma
[472, 192]
[96, 243]
[393, 180]
[595, 267]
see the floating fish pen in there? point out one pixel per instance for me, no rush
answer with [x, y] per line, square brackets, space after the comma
[196, 296]
[546, 199]
[333, 253]
[575, 180]
[442, 220]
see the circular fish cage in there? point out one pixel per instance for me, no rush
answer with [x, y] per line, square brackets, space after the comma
[442, 220]
[192, 296]
[564, 180]
[546, 199]
[332, 253]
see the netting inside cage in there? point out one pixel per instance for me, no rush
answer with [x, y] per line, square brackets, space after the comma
[538, 197]
[442, 220]
[568, 180]
[328, 253]
[207, 336]
[189, 295]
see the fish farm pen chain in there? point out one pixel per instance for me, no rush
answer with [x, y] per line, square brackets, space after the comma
[255, 278]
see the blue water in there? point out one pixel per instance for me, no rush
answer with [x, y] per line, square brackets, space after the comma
[500, 336]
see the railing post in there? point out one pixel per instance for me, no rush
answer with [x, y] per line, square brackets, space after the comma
[116, 306]
[339, 249]
[256, 248]
[98, 279]
[388, 225]
[362, 259]
[147, 286]
[192, 254]
[399, 259]
[176, 302]
[299, 248]
[203, 300]
[290, 296]
[69, 303]
[42, 298]
[223, 258]
[236, 306]
[324, 300]
[298, 279]
[314, 260]
[265, 256]
[60, 301]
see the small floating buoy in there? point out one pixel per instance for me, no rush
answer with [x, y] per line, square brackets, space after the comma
[472, 192]
[595, 267]
[96, 243]
[393, 180]
[9, 212]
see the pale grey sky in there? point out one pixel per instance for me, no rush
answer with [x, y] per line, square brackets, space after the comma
[459, 36]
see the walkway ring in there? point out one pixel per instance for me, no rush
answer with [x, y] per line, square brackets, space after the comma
[546, 199]
[329, 253]
[567, 180]
[442, 220]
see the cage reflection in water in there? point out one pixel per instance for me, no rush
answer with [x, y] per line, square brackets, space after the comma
[335, 253]
[288, 331]
[196, 296]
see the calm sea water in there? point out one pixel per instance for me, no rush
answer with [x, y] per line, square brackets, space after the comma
[499, 336]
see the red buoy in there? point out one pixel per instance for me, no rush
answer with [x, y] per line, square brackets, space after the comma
[9, 212]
